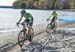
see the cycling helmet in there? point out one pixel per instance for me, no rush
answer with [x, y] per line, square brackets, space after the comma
[23, 11]
[54, 11]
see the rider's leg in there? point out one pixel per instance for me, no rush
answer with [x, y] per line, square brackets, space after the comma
[27, 30]
[31, 22]
[26, 21]
[56, 24]
[55, 29]
[30, 31]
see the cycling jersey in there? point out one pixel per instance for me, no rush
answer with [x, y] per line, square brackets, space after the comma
[54, 16]
[29, 18]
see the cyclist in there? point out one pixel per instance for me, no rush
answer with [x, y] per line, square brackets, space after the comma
[54, 16]
[28, 18]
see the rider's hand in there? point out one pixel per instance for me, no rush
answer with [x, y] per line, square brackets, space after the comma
[17, 23]
[47, 19]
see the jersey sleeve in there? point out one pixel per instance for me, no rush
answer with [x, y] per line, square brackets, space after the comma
[20, 19]
[50, 16]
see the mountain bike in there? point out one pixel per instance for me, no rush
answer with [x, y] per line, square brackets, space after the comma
[26, 33]
[51, 26]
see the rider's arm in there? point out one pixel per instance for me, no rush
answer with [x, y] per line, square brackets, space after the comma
[20, 19]
[49, 17]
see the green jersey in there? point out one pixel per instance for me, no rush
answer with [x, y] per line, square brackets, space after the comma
[27, 16]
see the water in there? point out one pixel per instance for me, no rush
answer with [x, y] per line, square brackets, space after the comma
[9, 17]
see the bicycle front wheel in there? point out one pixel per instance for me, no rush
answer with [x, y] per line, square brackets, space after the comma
[21, 38]
[48, 28]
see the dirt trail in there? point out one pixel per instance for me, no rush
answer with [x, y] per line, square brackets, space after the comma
[43, 43]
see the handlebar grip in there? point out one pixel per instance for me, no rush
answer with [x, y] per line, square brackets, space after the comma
[17, 25]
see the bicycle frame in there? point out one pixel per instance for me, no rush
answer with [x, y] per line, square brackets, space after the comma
[52, 23]
[51, 26]
[25, 26]
[25, 33]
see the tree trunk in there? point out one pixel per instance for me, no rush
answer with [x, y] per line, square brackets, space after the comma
[54, 5]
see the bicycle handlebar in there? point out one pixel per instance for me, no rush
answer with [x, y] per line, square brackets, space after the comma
[21, 24]
[18, 24]
[49, 20]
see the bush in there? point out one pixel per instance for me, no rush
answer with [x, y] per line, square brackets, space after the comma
[17, 4]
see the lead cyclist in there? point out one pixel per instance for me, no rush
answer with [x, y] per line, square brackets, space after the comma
[28, 17]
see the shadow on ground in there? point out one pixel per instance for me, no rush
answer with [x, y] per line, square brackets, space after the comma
[38, 47]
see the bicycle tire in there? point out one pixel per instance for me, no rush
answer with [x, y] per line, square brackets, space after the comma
[48, 28]
[21, 38]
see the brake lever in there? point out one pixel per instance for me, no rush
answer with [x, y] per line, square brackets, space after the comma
[17, 25]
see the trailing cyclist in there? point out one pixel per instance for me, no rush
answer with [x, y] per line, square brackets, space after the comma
[54, 16]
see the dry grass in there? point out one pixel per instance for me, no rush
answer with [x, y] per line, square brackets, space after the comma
[67, 25]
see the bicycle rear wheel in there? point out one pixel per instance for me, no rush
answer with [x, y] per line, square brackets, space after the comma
[21, 38]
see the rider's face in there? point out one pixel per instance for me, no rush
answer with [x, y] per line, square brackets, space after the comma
[54, 11]
[23, 14]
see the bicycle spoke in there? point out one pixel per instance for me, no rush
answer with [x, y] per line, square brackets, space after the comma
[21, 38]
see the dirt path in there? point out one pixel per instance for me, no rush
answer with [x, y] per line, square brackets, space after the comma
[43, 43]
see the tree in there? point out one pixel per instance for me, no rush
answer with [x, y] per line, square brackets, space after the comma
[72, 5]
[54, 4]
[17, 4]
